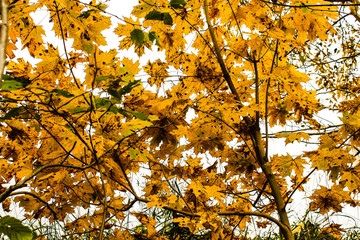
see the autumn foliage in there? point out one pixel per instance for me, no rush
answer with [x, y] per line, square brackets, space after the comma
[87, 142]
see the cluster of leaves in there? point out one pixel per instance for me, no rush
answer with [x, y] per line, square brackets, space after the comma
[15, 229]
[71, 142]
[201, 147]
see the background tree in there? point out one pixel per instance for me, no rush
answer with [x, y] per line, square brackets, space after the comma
[70, 143]
[198, 147]
[240, 75]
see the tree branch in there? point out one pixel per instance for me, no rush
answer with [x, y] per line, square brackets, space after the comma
[218, 53]
[38, 198]
[3, 38]
[263, 215]
[21, 183]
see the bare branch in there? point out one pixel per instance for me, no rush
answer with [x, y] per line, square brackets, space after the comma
[3, 37]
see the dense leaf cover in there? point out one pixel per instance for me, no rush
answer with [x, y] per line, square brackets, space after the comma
[85, 143]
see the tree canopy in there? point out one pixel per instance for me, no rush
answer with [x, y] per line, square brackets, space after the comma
[87, 142]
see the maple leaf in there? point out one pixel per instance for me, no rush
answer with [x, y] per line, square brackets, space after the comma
[292, 137]
[157, 71]
[351, 179]
[326, 199]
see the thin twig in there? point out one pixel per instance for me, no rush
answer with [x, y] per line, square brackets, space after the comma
[176, 191]
[302, 181]
[63, 40]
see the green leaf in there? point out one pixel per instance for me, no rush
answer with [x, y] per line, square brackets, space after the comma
[63, 93]
[127, 88]
[114, 109]
[11, 85]
[167, 19]
[153, 36]
[14, 112]
[134, 153]
[137, 36]
[114, 93]
[102, 102]
[124, 113]
[154, 15]
[99, 79]
[87, 46]
[79, 110]
[101, 7]
[117, 110]
[304, 9]
[86, 13]
[14, 229]
[302, 59]
[178, 4]
[146, 37]
[139, 115]
[117, 94]
[14, 83]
